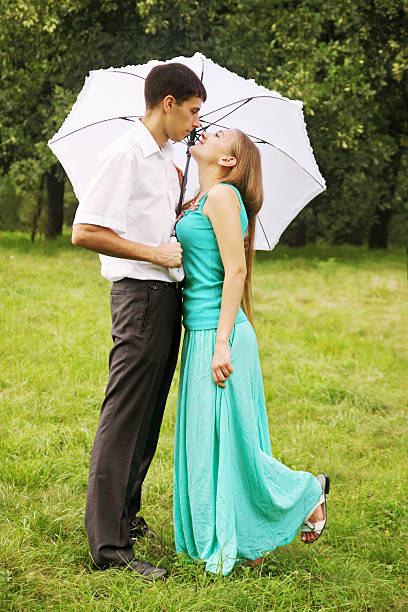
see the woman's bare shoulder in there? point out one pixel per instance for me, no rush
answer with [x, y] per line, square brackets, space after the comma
[222, 195]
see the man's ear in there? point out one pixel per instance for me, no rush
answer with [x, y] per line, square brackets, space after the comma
[228, 161]
[168, 102]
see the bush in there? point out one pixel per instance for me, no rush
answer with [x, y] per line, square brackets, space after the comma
[10, 204]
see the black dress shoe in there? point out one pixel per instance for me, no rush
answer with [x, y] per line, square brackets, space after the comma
[146, 570]
[138, 528]
[142, 569]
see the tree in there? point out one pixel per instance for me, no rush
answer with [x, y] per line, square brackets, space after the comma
[46, 48]
[347, 61]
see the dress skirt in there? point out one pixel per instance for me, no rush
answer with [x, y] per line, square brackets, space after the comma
[232, 499]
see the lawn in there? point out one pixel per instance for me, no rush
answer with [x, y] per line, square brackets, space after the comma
[332, 328]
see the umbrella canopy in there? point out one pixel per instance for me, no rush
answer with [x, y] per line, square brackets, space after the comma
[111, 98]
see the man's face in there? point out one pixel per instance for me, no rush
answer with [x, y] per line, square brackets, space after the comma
[181, 118]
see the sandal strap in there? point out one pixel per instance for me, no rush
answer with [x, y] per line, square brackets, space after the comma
[321, 501]
[317, 526]
[309, 527]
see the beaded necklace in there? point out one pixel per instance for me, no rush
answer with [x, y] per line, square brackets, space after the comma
[193, 206]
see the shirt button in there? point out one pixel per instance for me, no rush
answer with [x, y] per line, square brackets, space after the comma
[154, 286]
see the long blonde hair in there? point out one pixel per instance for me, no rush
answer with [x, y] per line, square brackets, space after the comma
[246, 176]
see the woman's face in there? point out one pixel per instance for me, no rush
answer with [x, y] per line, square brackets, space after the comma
[212, 148]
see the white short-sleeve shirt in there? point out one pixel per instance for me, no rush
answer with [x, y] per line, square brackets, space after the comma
[134, 192]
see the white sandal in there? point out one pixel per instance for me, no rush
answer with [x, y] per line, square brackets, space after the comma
[308, 526]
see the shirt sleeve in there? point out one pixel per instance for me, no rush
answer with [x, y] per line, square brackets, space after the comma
[105, 201]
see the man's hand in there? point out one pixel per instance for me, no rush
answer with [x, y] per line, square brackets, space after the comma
[179, 174]
[168, 255]
[103, 240]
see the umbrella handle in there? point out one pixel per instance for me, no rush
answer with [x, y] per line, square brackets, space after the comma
[191, 142]
[176, 274]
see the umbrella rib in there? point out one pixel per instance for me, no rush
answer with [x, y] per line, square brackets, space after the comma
[264, 233]
[84, 127]
[246, 100]
[129, 73]
[230, 112]
[259, 141]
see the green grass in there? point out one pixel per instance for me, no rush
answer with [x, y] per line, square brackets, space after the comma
[332, 329]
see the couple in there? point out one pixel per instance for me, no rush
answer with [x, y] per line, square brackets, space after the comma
[232, 499]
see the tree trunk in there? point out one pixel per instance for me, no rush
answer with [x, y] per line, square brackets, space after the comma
[298, 235]
[55, 191]
[378, 236]
[38, 208]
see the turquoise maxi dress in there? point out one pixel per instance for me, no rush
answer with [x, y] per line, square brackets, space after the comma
[232, 499]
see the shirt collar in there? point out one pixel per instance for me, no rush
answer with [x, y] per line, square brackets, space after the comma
[148, 143]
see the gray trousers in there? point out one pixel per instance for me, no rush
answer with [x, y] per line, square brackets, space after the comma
[146, 334]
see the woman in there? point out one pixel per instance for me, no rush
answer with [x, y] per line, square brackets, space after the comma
[232, 499]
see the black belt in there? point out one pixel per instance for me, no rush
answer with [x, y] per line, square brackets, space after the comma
[152, 283]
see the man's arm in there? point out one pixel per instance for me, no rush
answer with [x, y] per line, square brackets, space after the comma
[103, 240]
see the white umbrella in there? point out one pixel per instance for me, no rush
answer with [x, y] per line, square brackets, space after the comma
[111, 98]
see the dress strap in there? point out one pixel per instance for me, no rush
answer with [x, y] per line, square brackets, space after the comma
[236, 191]
[243, 214]
[202, 201]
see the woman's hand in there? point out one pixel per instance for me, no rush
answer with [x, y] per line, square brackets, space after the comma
[221, 367]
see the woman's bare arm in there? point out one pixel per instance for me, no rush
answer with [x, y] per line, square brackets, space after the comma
[222, 207]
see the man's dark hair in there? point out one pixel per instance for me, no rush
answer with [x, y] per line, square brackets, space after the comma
[175, 80]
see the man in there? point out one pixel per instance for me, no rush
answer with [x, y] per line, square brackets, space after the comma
[127, 216]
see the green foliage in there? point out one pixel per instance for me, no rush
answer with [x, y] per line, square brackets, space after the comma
[347, 61]
[10, 204]
[19, 191]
